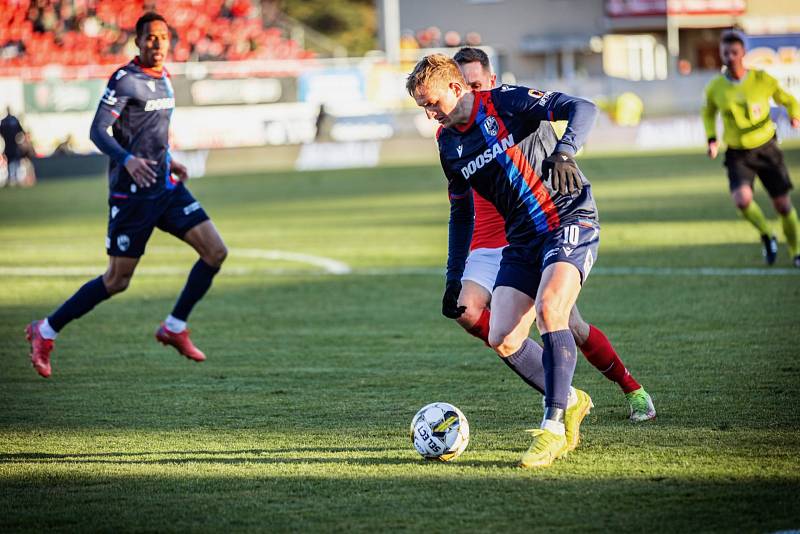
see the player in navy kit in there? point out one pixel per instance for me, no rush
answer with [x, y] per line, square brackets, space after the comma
[552, 230]
[468, 300]
[146, 191]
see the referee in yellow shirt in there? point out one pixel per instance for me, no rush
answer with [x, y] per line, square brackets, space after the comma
[742, 97]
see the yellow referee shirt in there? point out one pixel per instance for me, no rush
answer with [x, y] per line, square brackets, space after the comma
[744, 105]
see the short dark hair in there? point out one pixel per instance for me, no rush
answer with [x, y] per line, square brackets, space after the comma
[732, 36]
[469, 55]
[148, 17]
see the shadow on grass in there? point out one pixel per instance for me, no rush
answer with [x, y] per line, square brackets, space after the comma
[439, 500]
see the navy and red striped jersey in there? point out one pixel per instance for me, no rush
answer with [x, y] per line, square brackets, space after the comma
[490, 227]
[137, 105]
[494, 154]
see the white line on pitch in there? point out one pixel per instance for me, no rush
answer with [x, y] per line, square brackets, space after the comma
[399, 271]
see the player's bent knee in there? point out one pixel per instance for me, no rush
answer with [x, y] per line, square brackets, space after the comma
[217, 256]
[503, 344]
[782, 204]
[116, 284]
[742, 199]
[550, 316]
[470, 317]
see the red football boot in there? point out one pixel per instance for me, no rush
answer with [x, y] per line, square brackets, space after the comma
[40, 349]
[181, 342]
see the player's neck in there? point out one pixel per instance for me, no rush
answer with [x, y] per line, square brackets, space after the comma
[736, 73]
[154, 70]
[465, 106]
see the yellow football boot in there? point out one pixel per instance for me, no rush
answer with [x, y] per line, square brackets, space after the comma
[573, 417]
[546, 448]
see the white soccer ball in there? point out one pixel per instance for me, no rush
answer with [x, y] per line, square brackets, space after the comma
[440, 431]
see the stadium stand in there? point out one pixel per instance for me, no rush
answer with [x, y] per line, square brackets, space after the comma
[36, 33]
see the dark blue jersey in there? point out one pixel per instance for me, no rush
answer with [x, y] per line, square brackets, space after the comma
[137, 106]
[491, 154]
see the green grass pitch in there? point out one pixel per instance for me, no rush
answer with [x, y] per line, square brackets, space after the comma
[299, 419]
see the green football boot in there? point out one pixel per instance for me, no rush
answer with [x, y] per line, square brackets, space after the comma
[641, 404]
[546, 448]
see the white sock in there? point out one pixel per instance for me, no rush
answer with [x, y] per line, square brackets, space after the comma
[46, 330]
[176, 326]
[553, 426]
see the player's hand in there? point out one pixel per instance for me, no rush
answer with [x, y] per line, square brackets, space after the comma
[562, 171]
[450, 307]
[795, 122]
[713, 149]
[141, 170]
[179, 170]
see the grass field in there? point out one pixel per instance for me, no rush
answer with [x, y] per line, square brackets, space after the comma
[298, 421]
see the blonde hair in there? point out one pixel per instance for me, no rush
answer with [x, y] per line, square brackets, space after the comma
[433, 70]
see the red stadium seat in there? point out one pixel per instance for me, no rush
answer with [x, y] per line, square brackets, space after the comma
[203, 31]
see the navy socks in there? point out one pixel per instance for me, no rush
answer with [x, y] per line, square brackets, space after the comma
[87, 297]
[196, 286]
[527, 363]
[559, 359]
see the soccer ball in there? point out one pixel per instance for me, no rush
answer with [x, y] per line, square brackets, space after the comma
[440, 431]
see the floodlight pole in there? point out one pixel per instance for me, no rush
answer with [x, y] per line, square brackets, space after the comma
[390, 29]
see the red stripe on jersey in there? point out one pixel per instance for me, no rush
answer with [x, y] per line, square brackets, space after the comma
[115, 113]
[490, 227]
[524, 167]
[439, 132]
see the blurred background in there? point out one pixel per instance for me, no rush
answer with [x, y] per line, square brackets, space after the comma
[283, 84]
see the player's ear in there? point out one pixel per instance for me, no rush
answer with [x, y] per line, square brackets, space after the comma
[493, 79]
[457, 88]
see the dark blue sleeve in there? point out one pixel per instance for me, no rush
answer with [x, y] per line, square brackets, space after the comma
[462, 219]
[580, 115]
[536, 105]
[115, 97]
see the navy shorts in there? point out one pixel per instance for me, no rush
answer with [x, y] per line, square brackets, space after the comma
[765, 161]
[575, 243]
[131, 220]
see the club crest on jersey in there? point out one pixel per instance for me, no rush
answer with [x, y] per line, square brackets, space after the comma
[490, 125]
[460, 149]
